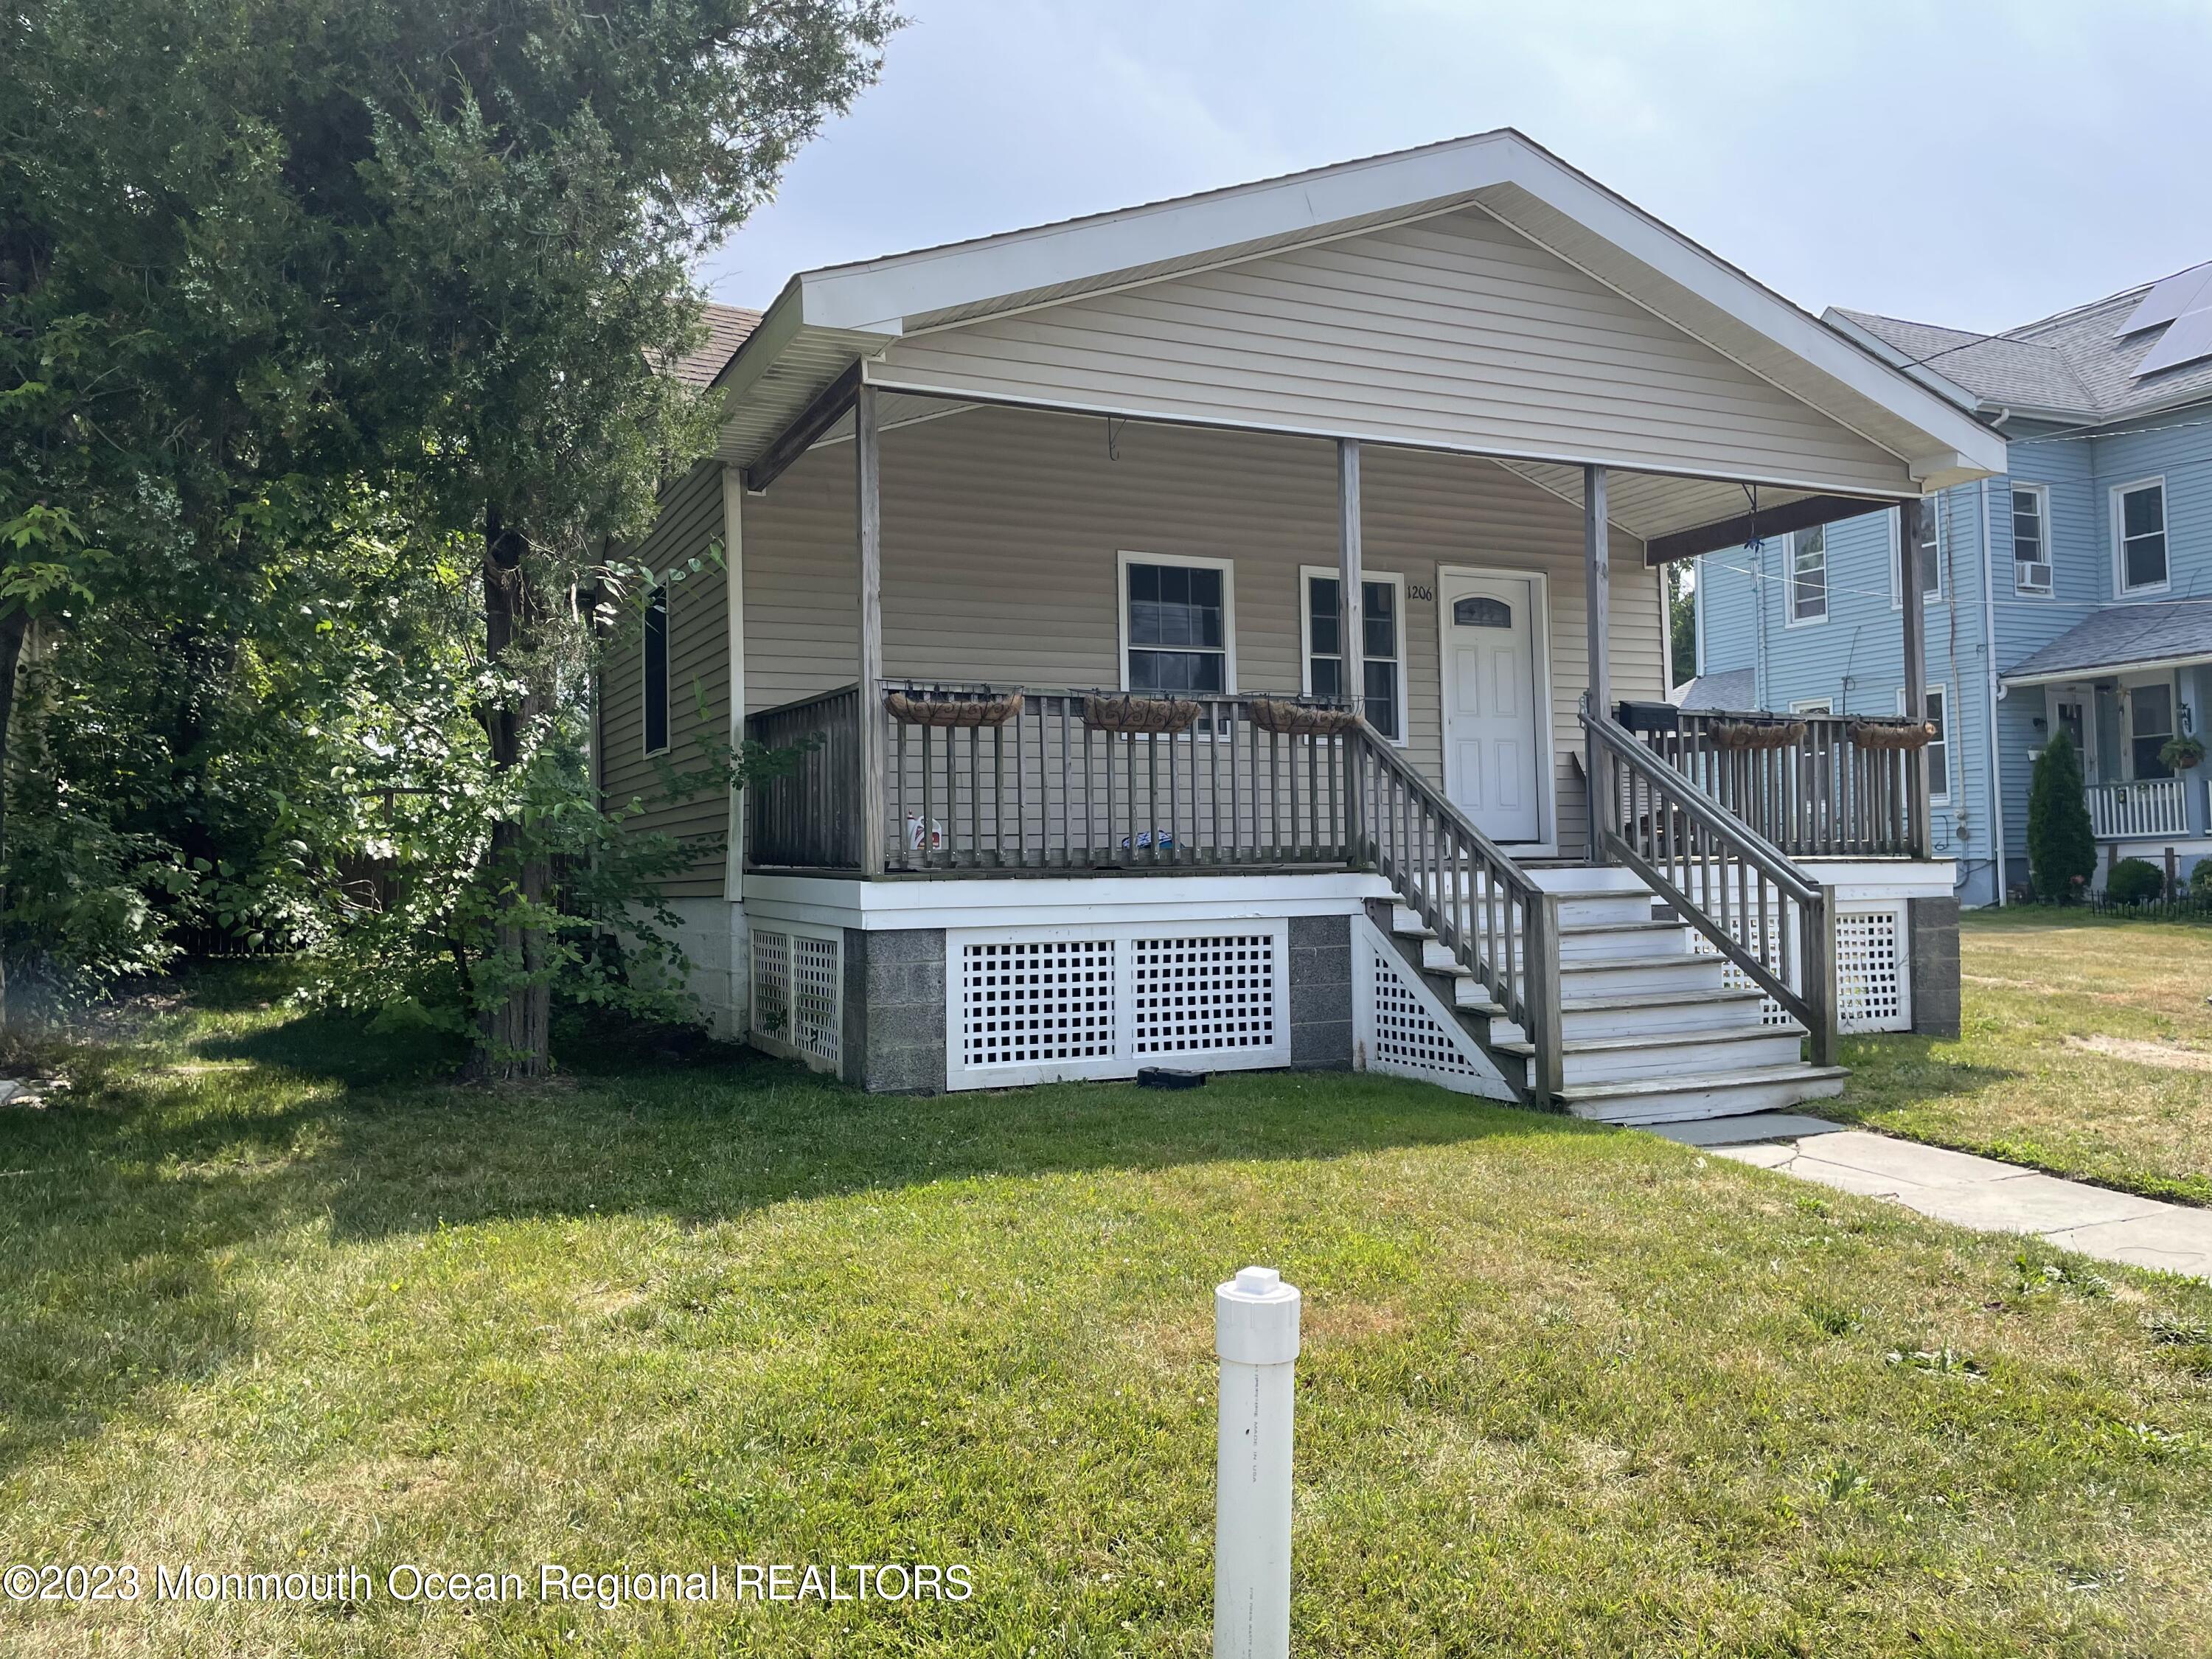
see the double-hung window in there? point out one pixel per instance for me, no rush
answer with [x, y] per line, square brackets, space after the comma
[1808, 576]
[1931, 554]
[2139, 535]
[1177, 619]
[1939, 746]
[2031, 539]
[655, 654]
[1382, 634]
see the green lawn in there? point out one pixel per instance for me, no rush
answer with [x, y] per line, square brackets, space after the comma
[2064, 1016]
[270, 1296]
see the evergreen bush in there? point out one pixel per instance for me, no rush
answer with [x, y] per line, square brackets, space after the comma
[2062, 846]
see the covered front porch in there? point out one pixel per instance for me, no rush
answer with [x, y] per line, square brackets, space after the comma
[1216, 623]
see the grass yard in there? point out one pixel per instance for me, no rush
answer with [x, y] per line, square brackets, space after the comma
[271, 1296]
[2086, 1050]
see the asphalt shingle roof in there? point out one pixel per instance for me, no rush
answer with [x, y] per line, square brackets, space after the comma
[1734, 689]
[726, 328]
[2123, 635]
[2074, 363]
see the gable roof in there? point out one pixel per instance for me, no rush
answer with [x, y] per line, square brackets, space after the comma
[825, 320]
[2170, 632]
[2076, 365]
[1734, 690]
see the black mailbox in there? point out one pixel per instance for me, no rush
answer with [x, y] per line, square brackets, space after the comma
[1650, 716]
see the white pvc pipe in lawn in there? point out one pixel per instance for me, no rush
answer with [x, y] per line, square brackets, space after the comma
[1255, 1332]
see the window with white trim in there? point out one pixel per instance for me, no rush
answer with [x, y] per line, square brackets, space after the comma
[1939, 746]
[1808, 576]
[2031, 539]
[1931, 554]
[1382, 631]
[1814, 706]
[654, 690]
[2139, 535]
[1177, 617]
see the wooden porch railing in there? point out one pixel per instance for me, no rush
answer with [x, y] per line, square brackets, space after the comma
[1822, 796]
[1043, 791]
[810, 817]
[1482, 907]
[1724, 879]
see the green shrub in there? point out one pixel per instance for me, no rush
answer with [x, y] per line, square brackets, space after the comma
[2061, 847]
[2135, 881]
[2200, 879]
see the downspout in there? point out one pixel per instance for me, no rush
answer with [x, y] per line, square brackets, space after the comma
[1996, 696]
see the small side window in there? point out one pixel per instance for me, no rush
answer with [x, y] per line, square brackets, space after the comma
[656, 670]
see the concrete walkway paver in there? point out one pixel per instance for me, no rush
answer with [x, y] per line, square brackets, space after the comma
[1960, 1188]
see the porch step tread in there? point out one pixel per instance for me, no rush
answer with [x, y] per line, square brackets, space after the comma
[1631, 999]
[1593, 1093]
[1614, 964]
[1661, 1040]
[1655, 925]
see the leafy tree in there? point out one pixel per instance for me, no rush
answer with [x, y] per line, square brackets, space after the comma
[1680, 578]
[2062, 844]
[253, 257]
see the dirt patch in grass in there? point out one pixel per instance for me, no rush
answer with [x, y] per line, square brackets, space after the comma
[2145, 1053]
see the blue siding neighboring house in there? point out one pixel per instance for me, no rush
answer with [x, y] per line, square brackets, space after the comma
[2075, 592]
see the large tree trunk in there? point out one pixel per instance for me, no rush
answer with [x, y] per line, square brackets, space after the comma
[514, 1032]
[13, 628]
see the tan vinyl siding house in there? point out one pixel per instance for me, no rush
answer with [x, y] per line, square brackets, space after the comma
[689, 527]
[1032, 543]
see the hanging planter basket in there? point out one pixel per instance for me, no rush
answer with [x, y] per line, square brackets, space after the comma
[1139, 714]
[2183, 753]
[1740, 737]
[950, 708]
[1907, 735]
[1302, 719]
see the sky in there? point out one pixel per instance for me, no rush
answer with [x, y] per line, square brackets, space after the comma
[1974, 164]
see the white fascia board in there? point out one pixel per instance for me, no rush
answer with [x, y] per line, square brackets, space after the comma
[860, 297]
[1023, 261]
[1720, 285]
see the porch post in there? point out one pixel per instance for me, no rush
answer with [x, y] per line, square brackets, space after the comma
[1351, 632]
[1916, 669]
[870, 519]
[1598, 581]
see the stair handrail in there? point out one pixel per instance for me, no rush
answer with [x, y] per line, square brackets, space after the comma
[1725, 853]
[1504, 928]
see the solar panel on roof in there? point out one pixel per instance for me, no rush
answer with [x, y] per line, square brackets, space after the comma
[2172, 297]
[2187, 337]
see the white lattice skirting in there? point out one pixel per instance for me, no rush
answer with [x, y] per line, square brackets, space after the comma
[1398, 1026]
[1038, 1005]
[1873, 973]
[799, 994]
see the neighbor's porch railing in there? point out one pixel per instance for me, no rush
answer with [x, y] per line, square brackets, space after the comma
[1823, 796]
[2127, 812]
[1729, 882]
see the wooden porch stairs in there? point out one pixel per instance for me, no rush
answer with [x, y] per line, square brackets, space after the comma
[1651, 1032]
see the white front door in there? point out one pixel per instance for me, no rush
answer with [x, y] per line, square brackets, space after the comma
[1492, 703]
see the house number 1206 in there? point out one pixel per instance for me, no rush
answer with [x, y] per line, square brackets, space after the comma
[1421, 593]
